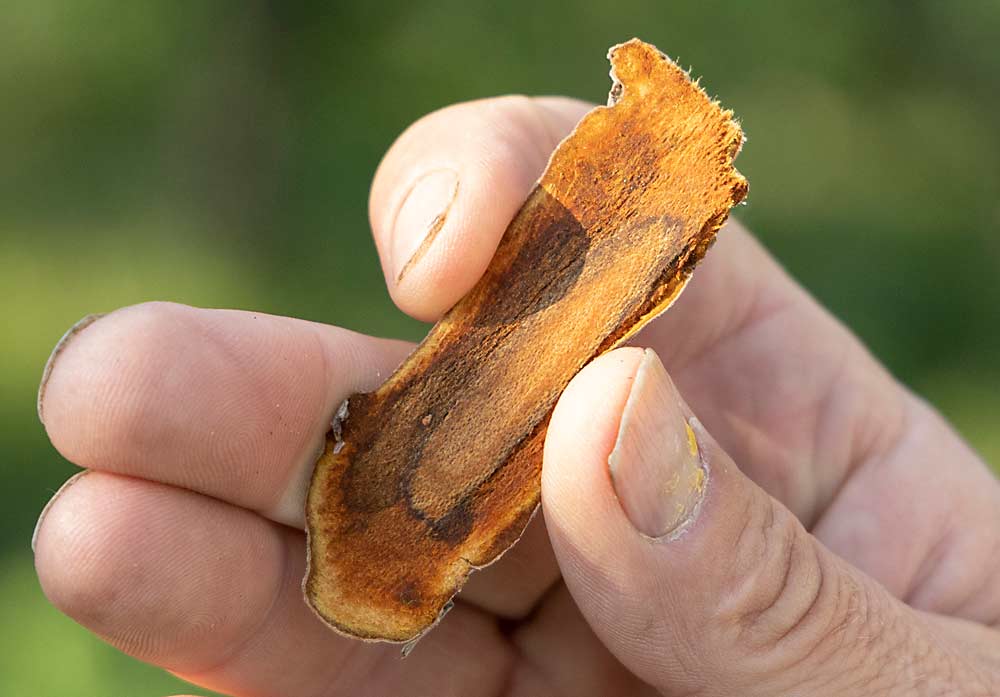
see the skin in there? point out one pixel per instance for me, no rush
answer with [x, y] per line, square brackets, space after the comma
[182, 544]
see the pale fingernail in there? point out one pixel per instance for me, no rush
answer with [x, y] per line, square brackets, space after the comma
[61, 345]
[48, 506]
[656, 465]
[420, 218]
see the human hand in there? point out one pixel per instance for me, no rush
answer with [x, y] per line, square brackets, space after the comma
[854, 550]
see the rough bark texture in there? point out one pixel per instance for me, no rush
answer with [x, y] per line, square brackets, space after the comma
[438, 471]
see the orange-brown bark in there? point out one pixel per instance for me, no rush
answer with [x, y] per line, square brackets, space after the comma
[437, 471]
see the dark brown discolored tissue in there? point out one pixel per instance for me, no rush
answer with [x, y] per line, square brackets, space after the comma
[438, 471]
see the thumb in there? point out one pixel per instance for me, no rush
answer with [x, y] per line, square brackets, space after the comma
[697, 580]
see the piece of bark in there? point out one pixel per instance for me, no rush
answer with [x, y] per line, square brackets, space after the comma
[437, 472]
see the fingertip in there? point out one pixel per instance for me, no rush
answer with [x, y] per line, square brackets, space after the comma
[448, 187]
[36, 533]
[591, 405]
[105, 394]
[580, 437]
[55, 542]
[85, 370]
[139, 564]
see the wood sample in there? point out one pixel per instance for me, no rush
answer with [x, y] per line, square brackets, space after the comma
[437, 472]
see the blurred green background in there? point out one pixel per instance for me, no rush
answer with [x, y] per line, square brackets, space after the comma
[219, 154]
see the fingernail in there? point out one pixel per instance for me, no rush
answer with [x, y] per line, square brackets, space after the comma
[45, 511]
[65, 341]
[656, 465]
[421, 217]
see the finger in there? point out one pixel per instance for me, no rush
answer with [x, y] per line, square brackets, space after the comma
[697, 579]
[231, 404]
[446, 190]
[931, 491]
[234, 405]
[815, 421]
[212, 592]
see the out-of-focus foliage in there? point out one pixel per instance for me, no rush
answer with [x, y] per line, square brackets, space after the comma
[219, 153]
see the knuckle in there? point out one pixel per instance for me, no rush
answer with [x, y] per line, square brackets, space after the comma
[782, 591]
